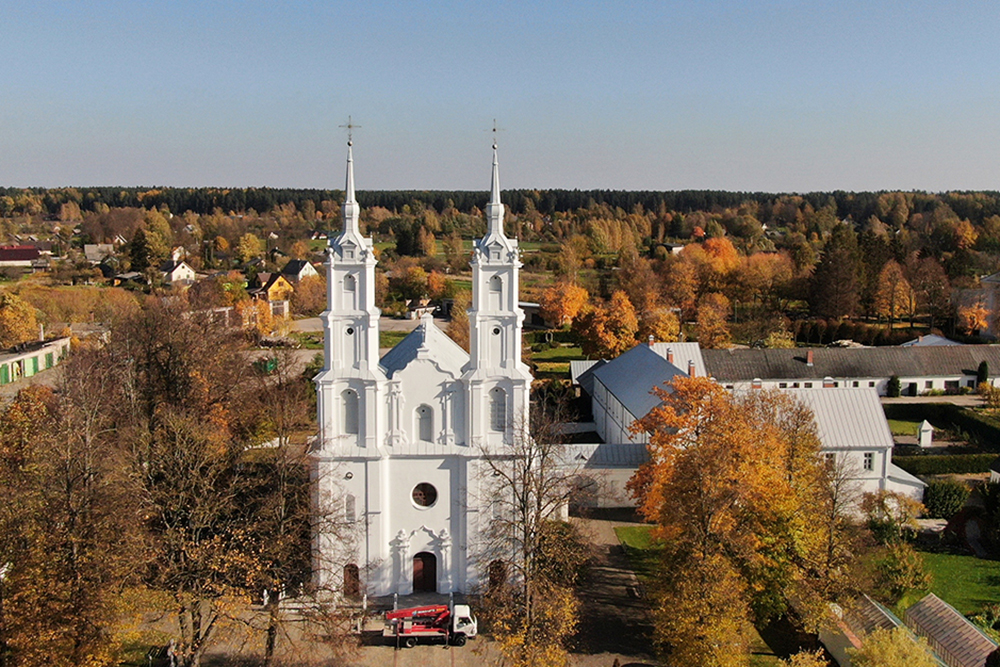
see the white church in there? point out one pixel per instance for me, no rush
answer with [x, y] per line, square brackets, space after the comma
[402, 438]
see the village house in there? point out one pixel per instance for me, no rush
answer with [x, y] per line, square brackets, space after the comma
[177, 273]
[28, 359]
[275, 290]
[21, 258]
[297, 269]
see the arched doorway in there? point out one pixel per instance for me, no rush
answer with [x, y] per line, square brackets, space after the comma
[498, 574]
[425, 573]
[352, 581]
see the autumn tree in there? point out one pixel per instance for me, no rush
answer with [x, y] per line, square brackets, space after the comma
[458, 326]
[17, 320]
[607, 330]
[532, 559]
[249, 248]
[892, 648]
[732, 486]
[561, 303]
[974, 318]
[309, 297]
[660, 324]
[894, 294]
[713, 332]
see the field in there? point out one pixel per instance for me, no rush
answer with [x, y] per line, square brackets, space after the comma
[904, 427]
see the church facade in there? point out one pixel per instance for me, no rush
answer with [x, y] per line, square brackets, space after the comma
[400, 455]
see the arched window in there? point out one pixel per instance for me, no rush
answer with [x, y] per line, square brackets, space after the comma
[425, 423]
[498, 409]
[349, 399]
[350, 510]
[349, 283]
[352, 581]
[350, 292]
[496, 293]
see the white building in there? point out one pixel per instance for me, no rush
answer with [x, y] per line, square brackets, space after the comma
[851, 425]
[402, 439]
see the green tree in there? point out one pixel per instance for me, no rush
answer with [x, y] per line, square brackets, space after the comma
[835, 283]
[982, 373]
[249, 248]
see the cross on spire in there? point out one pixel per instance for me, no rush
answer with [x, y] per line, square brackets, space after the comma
[494, 131]
[350, 130]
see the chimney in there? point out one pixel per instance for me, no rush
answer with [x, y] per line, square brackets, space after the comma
[757, 383]
[651, 339]
[691, 370]
[41, 331]
[809, 357]
[670, 356]
[828, 383]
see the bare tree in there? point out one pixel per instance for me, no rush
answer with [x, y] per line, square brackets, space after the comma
[532, 557]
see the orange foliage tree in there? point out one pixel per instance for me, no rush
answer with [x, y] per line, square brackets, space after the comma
[713, 332]
[735, 488]
[562, 302]
[894, 294]
[608, 330]
[974, 318]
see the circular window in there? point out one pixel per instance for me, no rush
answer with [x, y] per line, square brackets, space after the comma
[350, 331]
[424, 494]
[496, 331]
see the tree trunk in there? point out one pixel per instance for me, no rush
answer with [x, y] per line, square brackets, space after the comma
[273, 619]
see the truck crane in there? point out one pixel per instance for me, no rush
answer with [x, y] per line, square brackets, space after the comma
[437, 621]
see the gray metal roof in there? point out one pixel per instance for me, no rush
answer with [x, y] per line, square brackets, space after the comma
[582, 373]
[930, 340]
[632, 376]
[900, 476]
[439, 347]
[606, 455]
[740, 365]
[847, 418]
[950, 634]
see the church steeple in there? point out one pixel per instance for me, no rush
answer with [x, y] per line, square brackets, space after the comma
[351, 209]
[495, 209]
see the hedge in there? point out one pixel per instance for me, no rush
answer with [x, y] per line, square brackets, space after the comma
[942, 465]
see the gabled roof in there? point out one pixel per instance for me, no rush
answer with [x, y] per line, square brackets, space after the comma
[632, 376]
[427, 342]
[604, 455]
[847, 417]
[18, 253]
[930, 340]
[295, 266]
[951, 635]
[743, 365]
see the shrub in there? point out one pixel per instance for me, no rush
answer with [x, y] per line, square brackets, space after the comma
[945, 498]
[982, 373]
[892, 388]
[955, 464]
[895, 570]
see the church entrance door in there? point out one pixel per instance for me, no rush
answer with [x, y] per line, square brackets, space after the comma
[424, 573]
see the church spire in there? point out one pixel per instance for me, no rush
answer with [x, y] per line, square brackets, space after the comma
[351, 209]
[495, 209]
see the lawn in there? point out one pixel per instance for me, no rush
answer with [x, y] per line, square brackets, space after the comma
[965, 582]
[903, 427]
[563, 353]
[391, 338]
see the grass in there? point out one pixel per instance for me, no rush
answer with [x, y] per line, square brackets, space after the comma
[965, 582]
[391, 338]
[904, 427]
[641, 549]
[310, 340]
[563, 353]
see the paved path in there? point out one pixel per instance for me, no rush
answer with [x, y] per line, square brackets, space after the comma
[615, 621]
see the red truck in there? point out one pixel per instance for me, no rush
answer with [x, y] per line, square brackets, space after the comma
[437, 621]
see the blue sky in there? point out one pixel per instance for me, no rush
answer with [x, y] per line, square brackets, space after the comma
[754, 95]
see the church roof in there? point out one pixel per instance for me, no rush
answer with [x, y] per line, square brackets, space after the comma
[426, 341]
[632, 376]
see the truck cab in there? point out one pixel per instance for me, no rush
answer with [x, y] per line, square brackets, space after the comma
[465, 624]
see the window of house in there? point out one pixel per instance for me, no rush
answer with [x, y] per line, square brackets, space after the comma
[855, 383]
[349, 401]
[869, 461]
[951, 384]
[971, 383]
[795, 385]
[498, 409]
[871, 383]
[928, 384]
[782, 385]
[829, 459]
[808, 385]
[425, 423]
